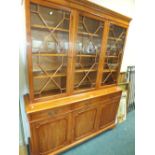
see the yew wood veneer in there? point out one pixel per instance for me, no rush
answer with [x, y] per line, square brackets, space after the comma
[74, 54]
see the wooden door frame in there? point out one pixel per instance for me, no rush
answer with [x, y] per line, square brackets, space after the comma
[102, 54]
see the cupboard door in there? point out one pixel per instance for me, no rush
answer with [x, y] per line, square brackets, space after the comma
[51, 134]
[108, 114]
[114, 53]
[50, 45]
[84, 122]
[88, 48]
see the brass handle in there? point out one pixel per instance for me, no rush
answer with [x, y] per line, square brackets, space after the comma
[50, 113]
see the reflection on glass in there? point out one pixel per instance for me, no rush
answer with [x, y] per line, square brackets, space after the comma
[114, 53]
[88, 48]
[50, 37]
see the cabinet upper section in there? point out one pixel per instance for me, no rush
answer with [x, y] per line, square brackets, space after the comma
[73, 47]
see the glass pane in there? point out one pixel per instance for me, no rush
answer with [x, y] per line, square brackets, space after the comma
[88, 48]
[50, 43]
[114, 53]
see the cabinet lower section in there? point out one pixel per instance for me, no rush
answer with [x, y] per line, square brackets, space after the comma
[57, 129]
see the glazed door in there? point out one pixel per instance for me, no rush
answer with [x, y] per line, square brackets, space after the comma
[113, 55]
[50, 134]
[88, 48]
[84, 122]
[50, 45]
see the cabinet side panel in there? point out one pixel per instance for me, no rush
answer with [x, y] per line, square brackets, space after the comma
[28, 48]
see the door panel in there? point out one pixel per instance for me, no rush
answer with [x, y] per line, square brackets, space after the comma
[84, 122]
[108, 114]
[52, 134]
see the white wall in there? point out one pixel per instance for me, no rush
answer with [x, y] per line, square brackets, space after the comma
[23, 86]
[125, 7]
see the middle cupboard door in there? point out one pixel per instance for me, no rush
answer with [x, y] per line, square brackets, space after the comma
[84, 121]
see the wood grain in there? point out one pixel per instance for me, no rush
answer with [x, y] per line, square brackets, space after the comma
[29, 49]
[44, 105]
[112, 125]
[61, 121]
[58, 128]
[102, 54]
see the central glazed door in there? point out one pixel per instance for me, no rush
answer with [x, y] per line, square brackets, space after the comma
[88, 48]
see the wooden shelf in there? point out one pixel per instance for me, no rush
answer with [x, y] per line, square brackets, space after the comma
[88, 34]
[107, 70]
[113, 38]
[86, 55]
[111, 56]
[61, 54]
[42, 27]
[39, 75]
[85, 83]
[111, 83]
[86, 89]
[53, 91]
[49, 27]
[49, 54]
[85, 70]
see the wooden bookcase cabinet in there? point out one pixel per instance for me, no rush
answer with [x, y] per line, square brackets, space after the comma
[74, 50]
[63, 123]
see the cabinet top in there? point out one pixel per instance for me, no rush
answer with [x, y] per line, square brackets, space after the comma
[32, 108]
[101, 9]
[88, 6]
